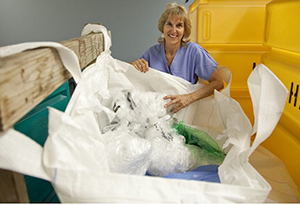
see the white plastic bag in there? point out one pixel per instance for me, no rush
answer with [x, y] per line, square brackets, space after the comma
[74, 157]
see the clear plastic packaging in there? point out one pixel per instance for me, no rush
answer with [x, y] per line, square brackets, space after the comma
[141, 107]
[143, 123]
[168, 154]
[127, 153]
[142, 138]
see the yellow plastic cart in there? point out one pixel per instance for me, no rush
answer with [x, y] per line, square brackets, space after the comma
[240, 34]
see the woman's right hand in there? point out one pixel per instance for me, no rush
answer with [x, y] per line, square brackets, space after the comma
[141, 65]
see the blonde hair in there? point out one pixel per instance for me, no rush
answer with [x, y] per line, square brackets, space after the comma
[171, 10]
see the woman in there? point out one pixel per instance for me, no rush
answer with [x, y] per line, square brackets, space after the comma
[179, 57]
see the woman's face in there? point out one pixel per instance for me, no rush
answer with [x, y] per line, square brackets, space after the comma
[173, 30]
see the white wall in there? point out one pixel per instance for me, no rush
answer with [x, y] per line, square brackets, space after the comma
[133, 23]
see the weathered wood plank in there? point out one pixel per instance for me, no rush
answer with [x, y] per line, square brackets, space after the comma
[29, 77]
[13, 187]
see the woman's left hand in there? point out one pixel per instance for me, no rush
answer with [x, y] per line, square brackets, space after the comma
[179, 101]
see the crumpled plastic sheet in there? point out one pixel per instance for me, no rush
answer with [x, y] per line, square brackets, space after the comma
[145, 108]
[205, 150]
[127, 153]
[169, 155]
[141, 139]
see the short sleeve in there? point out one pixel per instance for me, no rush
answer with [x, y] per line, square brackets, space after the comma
[205, 65]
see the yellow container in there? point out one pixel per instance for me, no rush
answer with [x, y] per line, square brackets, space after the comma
[282, 34]
[232, 32]
[285, 140]
[239, 33]
[283, 25]
[240, 59]
[233, 22]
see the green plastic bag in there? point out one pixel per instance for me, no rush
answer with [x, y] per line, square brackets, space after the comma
[203, 147]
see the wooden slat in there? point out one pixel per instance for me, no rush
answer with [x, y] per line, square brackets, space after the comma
[12, 187]
[29, 77]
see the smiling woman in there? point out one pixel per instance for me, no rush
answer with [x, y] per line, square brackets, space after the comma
[173, 32]
[176, 55]
[179, 13]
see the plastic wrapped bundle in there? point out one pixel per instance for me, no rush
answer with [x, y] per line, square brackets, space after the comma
[127, 153]
[168, 153]
[142, 138]
[142, 114]
[142, 107]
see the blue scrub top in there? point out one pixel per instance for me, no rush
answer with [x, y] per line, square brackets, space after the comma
[190, 62]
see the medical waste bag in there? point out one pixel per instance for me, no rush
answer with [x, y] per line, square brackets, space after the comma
[74, 159]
